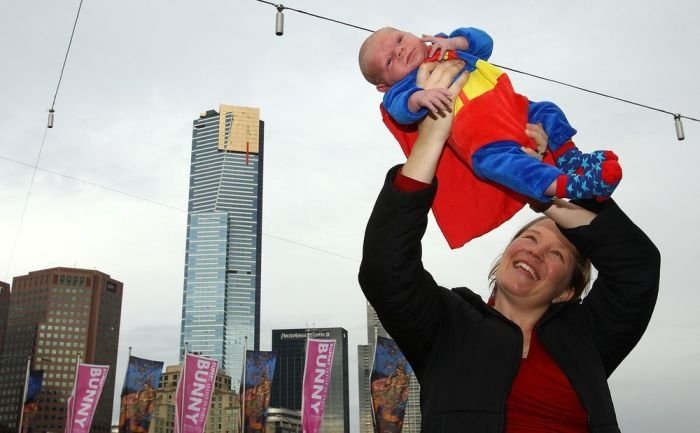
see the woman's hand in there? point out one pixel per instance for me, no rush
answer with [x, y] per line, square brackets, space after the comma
[434, 130]
[563, 212]
[440, 74]
[436, 127]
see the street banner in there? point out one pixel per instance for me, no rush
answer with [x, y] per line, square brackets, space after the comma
[89, 382]
[259, 372]
[194, 391]
[138, 396]
[31, 403]
[317, 378]
[391, 375]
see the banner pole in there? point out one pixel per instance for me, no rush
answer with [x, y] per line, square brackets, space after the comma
[24, 394]
[371, 368]
[180, 420]
[75, 385]
[70, 407]
[245, 354]
[303, 384]
[124, 428]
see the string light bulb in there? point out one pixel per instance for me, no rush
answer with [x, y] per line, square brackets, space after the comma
[679, 127]
[279, 21]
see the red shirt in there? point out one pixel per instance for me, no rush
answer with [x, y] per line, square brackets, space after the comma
[541, 398]
[408, 184]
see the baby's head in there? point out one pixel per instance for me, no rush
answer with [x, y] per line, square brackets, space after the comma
[388, 55]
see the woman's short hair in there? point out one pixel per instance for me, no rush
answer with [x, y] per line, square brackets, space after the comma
[580, 277]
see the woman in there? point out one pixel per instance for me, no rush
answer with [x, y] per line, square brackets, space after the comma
[536, 357]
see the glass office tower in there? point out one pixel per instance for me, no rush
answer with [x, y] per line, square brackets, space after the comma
[290, 346]
[221, 298]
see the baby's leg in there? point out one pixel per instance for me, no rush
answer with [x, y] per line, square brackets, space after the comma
[601, 166]
[554, 123]
[504, 162]
[597, 177]
[565, 153]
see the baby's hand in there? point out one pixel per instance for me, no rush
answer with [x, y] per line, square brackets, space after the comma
[445, 44]
[435, 100]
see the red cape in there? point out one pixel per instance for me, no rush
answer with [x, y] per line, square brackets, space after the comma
[465, 207]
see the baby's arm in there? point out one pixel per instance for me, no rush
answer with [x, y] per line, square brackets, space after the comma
[435, 100]
[480, 44]
[457, 43]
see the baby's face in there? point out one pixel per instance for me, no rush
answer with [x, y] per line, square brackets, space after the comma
[394, 53]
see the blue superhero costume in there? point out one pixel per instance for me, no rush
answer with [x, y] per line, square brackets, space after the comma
[484, 176]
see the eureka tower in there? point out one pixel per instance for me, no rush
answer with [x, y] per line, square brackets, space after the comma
[221, 297]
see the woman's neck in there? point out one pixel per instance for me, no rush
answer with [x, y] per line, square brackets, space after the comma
[525, 318]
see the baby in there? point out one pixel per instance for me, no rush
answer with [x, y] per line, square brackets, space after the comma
[488, 132]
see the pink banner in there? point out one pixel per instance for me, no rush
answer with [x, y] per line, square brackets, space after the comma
[194, 391]
[89, 381]
[317, 378]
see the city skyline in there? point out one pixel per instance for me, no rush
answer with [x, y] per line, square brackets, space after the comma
[111, 186]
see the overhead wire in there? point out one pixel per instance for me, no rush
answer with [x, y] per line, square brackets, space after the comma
[228, 131]
[280, 7]
[94, 184]
[677, 116]
[43, 142]
[312, 248]
[65, 58]
[596, 92]
[24, 207]
[165, 205]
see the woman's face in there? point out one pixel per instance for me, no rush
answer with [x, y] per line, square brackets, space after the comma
[537, 266]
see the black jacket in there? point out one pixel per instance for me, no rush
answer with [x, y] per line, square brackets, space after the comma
[466, 354]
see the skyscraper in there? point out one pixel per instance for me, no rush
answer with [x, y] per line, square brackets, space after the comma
[290, 346]
[4, 306]
[412, 417]
[221, 296]
[55, 316]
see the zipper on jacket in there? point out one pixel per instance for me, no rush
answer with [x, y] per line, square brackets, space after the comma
[568, 377]
[516, 363]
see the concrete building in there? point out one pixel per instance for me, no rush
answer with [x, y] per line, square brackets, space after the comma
[4, 308]
[221, 296]
[224, 411]
[283, 421]
[365, 353]
[55, 317]
[290, 346]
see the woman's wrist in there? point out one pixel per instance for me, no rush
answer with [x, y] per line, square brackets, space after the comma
[569, 215]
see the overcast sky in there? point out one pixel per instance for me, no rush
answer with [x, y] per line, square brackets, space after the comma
[139, 72]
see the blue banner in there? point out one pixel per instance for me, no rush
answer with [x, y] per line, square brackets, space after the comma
[389, 381]
[259, 372]
[31, 403]
[138, 396]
